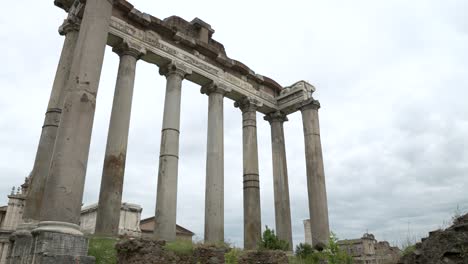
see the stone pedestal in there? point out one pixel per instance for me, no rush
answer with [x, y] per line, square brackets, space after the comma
[57, 248]
[214, 193]
[166, 200]
[110, 196]
[280, 178]
[318, 206]
[251, 181]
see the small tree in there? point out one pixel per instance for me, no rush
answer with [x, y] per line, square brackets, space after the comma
[271, 242]
[332, 254]
[303, 250]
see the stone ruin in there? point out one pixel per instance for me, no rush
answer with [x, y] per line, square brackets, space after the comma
[449, 246]
[181, 50]
[141, 251]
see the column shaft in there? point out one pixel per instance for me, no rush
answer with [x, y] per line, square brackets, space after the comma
[45, 148]
[318, 207]
[252, 211]
[64, 187]
[214, 193]
[280, 178]
[110, 196]
[166, 200]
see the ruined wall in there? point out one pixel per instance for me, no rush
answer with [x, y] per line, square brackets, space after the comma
[129, 224]
[442, 246]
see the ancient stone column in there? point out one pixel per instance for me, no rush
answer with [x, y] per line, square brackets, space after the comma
[280, 177]
[61, 205]
[214, 192]
[166, 200]
[45, 149]
[110, 196]
[318, 207]
[252, 212]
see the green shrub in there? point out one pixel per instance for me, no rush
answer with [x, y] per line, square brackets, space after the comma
[232, 256]
[271, 242]
[332, 254]
[103, 249]
[409, 249]
[303, 250]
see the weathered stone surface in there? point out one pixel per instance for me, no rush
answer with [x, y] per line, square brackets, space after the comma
[214, 194]
[142, 251]
[264, 257]
[110, 196]
[209, 254]
[442, 246]
[318, 205]
[280, 177]
[251, 178]
[166, 201]
[52, 247]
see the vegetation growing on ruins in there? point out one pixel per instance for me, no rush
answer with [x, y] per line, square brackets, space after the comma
[103, 249]
[270, 241]
[332, 254]
[232, 257]
[181, 247]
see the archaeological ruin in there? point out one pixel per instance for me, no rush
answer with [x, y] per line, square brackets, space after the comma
[183, 51]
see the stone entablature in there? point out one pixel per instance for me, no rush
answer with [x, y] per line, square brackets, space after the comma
[190, 45]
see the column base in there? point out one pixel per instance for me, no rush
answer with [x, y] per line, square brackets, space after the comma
[21, 242]
[51, 242]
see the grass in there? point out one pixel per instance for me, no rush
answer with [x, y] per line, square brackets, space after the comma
[181, 247]
[103, 249]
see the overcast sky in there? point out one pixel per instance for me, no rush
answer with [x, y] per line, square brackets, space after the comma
[392, 78]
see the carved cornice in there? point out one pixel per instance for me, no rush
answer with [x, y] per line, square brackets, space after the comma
[129, 48]
[277, 116]
[309, 104]
[214, 87]
[68, 26]
[175, 68]
[248, 104]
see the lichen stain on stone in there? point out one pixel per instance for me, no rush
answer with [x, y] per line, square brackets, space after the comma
[115, 164]
[84, 98]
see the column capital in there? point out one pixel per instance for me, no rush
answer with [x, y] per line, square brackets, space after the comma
[215, 87]
[309, 104]
[130, 48]
[247, 104]
[175, 68]
[69, 25]
[277, 116]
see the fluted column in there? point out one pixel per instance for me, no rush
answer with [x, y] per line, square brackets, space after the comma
[110, 196]
[45, 148]
[166, 200]
[214, 192]
[252, 211]
[280, 177]
[318, 206]
[63, 193]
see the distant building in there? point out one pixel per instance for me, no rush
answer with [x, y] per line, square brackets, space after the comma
[130, 224]
[11, 217]
[364, 250]
[367, 250]
[147, 227]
